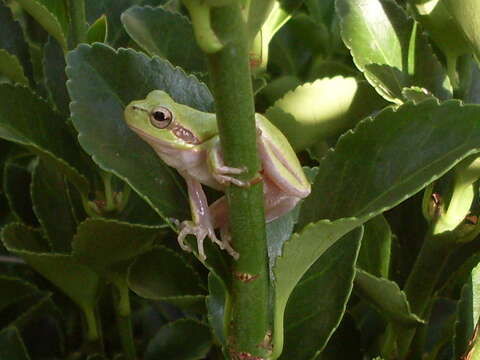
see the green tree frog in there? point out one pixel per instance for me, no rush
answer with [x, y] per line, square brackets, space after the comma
[187, 140]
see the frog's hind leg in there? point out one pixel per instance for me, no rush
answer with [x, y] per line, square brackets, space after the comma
[201, 225]
[277, 201]
[219, 214]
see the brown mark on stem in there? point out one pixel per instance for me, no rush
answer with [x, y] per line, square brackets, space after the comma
[245, 277]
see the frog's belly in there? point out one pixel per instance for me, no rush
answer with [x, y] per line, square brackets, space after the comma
[192, 163]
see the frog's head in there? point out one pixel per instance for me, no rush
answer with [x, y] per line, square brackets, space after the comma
[159, 119]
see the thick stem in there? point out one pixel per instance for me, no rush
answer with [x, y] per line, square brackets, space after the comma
[79, 23]
[124, 324]
[230, 76]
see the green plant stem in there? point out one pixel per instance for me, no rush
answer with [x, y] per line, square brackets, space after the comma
[231, 83]
[93, 338]
[79, 23]
[124, 324]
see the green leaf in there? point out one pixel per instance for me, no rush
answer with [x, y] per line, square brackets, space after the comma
[326, 107]
[318, 301]
[113, 9]
[102, 243]
[55, 77]
[374, 254]
[13, 290]
[387, 48]
[10, 69]
[390, 157]
[98, 31]
[99, 96]
[346, 333]
[166, 34]
[13, 42]
[467, 314]
[443, 29]
[155, 275]
[28, 120]
[465, 14]
[52, 205]
[137, 211]
[216, 302]
[387, 297]
[299, 253]
[180, 340]
[416, 94]
[16, 185]
[12, 346]
[77, 281]
[292, 47]
[52, 15]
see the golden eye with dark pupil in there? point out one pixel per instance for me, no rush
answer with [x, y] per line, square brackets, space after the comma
[161, 117]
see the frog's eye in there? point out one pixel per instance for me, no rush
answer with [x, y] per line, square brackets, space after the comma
[161, 117]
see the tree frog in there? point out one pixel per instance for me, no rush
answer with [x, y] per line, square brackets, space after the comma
[187, 140]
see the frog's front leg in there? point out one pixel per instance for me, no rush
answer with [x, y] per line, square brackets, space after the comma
[222, 173]
[201, 225]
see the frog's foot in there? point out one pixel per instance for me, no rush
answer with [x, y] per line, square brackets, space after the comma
[223, 174]
[201, 232]
[227, 240]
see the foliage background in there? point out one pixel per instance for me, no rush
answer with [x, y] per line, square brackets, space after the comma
[89, 261]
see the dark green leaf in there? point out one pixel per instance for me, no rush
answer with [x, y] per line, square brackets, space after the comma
[346, 333]
[155, 275]
[443, 29]
[387, 48]
[12, 40]
[318, 302]
[55, 77]
[465, 14]
[100, 96]
[298, 254]
[468, 314]
[80, 283]
[12, 346]
[10, 69]
[98, 31]
[216, 302]
[113, 9]
[391, 157]
[52, 206]
[28, 120]
[374, 254]
[292, 47]
[13, 290]
[138, 211]
[180, 340]
[387, 297]
[16, 182]
[102, 243]
[166, 34]
[52, 15]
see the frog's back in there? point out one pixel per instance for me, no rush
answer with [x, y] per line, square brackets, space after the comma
[277, 153]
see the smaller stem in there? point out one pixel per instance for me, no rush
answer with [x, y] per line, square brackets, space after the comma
[91, 324]
[79, 23]
[121, 297]
[452, 72]
[107, 184]
[93, 338]
[206, 38]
